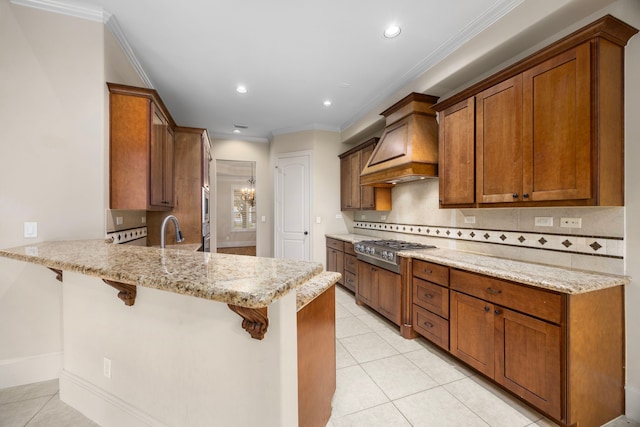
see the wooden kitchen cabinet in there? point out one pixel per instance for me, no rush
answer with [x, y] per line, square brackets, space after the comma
[457, 153]
[562, 353]
[191, 162]
[335, 257]
[350, 278]
[354, 196]
[141, 150]
[381, 290]
[430, 298]
[548, 130]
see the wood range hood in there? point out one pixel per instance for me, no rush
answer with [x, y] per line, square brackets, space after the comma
[408, 147]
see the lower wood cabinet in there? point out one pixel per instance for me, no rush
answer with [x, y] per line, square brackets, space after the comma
[381, 290]
[561, 353]
[350, 278]
[335, 257]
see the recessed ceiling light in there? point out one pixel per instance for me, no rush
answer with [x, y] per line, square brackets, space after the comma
[236, 131]
[241, 89]
[392, 31]
[327, 103]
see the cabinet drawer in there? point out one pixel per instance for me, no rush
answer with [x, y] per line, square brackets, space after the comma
[349, 281]
[431, 326]
[350, 263]
[536, 302]
[348, 248]
[432, 272]
[432, 297]
[335, 244]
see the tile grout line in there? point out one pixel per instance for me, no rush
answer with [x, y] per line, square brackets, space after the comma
[39, 410]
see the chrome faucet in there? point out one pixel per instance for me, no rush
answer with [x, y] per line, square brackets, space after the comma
[179, 237]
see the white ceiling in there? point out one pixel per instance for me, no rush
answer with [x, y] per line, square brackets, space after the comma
[290, 54]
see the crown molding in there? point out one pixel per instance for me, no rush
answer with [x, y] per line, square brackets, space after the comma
[96, 14]
[92, 13]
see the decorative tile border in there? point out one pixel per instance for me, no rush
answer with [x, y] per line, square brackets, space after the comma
[125, 236]
[610, 247]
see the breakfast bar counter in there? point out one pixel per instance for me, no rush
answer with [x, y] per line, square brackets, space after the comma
[172, 354]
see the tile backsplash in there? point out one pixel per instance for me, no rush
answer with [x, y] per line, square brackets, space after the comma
[509, 232]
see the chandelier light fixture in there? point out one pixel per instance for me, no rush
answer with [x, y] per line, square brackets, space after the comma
[249, 193]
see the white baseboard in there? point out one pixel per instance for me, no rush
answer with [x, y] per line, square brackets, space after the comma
[101, 406]
[632, 403]
[30, 369]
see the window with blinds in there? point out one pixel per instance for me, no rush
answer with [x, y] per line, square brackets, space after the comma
[244, 214]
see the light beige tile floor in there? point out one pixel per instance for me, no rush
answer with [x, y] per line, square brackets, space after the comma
[383, 380]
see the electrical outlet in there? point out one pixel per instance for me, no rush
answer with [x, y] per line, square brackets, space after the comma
[263, 218]
[363, 216]
[143, 219]
[544, 221]
[571, 222]
[383, 217]
[106, 368]
[338, 216]
[470, 219]
[118, 220]
[318, 220]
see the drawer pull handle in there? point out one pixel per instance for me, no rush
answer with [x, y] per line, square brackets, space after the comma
[428, 325]
[428, 296]
[487, 309]
[494, 291]
[428, 271]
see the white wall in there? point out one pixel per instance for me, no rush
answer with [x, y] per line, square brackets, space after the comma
[51, 171]
[53, 167]
[230, 149]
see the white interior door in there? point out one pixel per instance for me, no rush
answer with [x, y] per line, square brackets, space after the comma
[292, 217]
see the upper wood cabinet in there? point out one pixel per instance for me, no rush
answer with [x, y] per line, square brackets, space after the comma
[141, 150]
[354, 196]
[548, 130]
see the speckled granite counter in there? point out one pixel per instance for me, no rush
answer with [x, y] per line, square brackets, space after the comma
[251, 282]
[315, 286]
[565, 280]
[351, 238]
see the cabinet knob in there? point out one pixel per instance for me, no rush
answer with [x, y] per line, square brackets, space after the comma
[525, 195]
[515, 195]
[496, 311]
[487, 309]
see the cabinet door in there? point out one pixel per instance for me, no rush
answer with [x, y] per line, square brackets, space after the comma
[499, 143]
[557, 127]
[156, 158]
[366, 284]
[472, 332]
[335, 262]
[528, 359]
[168, 168]
[389, 295]
[367, 193]
[457, 154]
[350, 181]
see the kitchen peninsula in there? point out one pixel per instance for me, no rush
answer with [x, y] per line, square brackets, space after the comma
[167, 358]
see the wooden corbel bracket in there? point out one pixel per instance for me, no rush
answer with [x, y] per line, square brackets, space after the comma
[255, 320]
[127, 292]
[58, 273]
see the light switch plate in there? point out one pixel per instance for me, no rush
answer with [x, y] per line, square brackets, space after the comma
[30, 229]
[470, 219]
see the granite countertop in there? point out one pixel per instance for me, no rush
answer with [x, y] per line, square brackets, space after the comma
[351, 238]
[315, 286]
[251, 282]
[564, 280]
